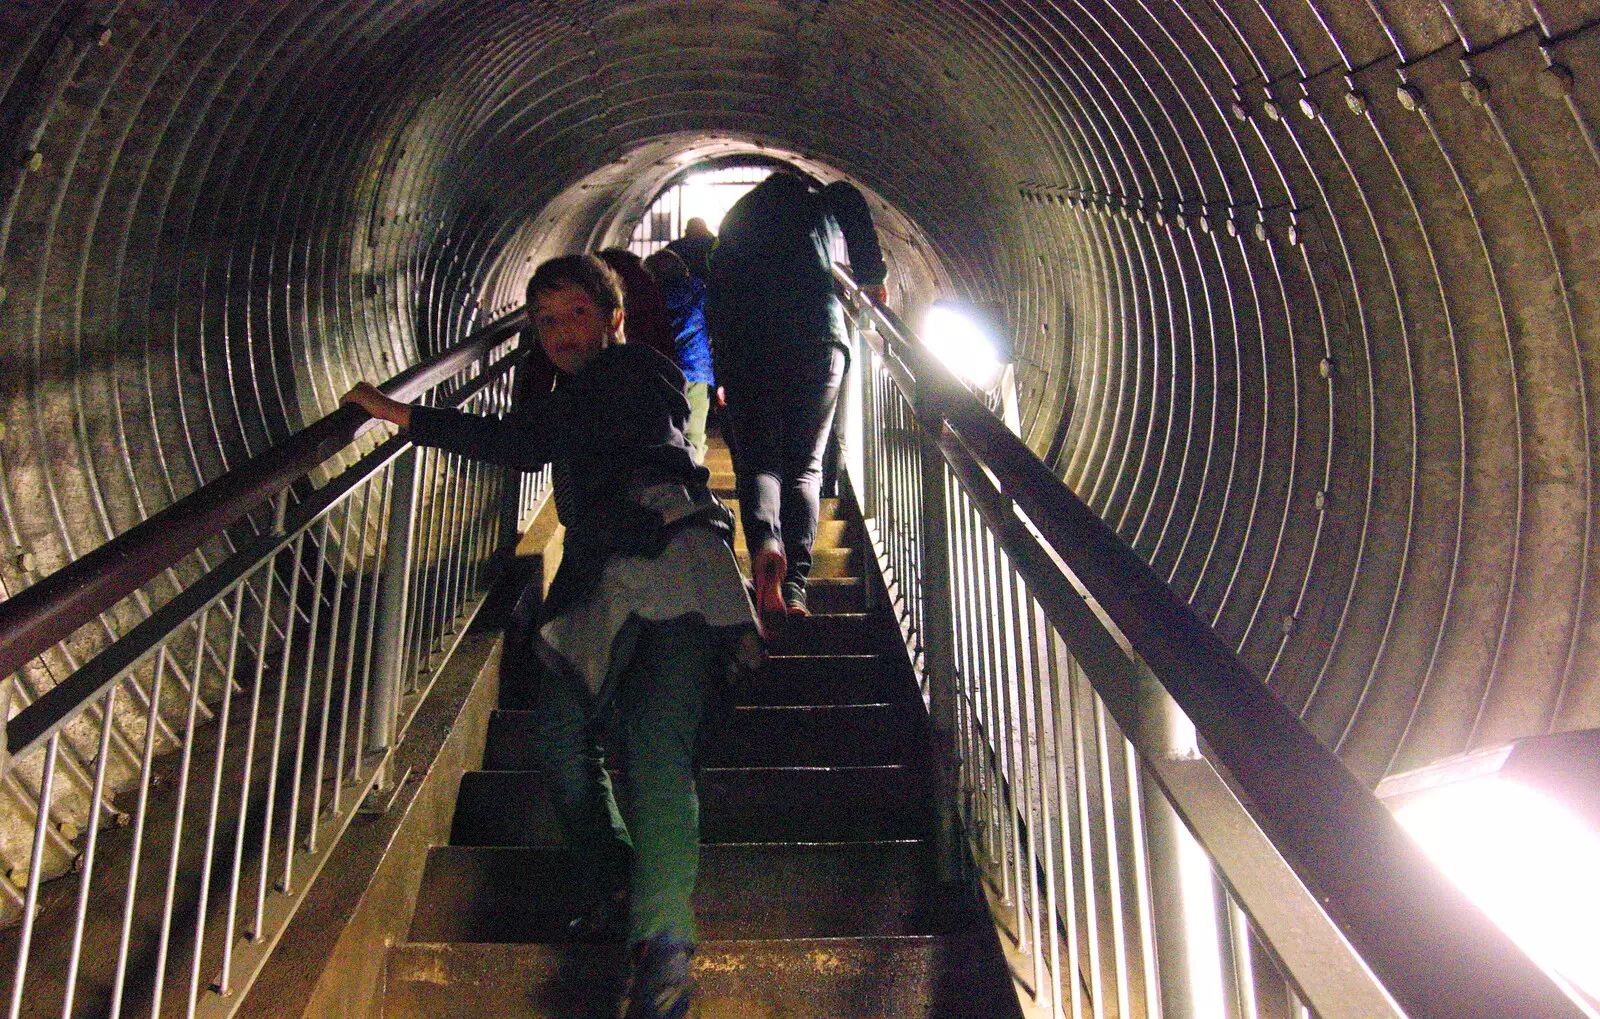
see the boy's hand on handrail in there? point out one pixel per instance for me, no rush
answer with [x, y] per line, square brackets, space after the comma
[366, 396]
[877, 293]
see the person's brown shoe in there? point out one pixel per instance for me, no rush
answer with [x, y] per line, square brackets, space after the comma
[766, 570]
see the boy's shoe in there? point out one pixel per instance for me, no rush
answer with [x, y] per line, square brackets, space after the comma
[794, 598]
[766, 570]
[661, 986]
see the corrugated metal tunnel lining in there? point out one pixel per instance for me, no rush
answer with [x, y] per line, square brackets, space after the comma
[1303, 292]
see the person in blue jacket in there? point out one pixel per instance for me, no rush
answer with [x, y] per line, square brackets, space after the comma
[685, 297]
[778, 337]
[646, 608]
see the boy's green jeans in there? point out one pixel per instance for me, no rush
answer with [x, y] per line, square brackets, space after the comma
[658, 702]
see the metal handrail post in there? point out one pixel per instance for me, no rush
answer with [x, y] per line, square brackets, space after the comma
[510, 478]
[939, 639]
[1164, 834]
[864, 368]
[394, 600]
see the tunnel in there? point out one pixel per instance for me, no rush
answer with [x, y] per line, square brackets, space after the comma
[1301, 294]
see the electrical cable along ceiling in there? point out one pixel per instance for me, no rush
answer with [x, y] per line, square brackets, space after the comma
[1302, 293]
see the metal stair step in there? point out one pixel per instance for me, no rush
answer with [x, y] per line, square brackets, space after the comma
[826, 563]
[953, 976]
[830, 508]
[882, 803]
[835, 633]
[524, 894]
[829, 679]
[830, 534]
[829, 595]
[802, 736]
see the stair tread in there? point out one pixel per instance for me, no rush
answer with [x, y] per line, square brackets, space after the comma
[879, 802]
[805, 679]
[958, 975]
[760, 890]
[832, 735]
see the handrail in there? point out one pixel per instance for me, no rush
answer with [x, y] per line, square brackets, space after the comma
[298, 702]
[42, 615]
[1430, 947]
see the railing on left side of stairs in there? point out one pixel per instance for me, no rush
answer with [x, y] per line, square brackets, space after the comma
[190, 779]
[1158, 835]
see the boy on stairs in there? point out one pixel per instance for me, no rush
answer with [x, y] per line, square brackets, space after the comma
[646, 607]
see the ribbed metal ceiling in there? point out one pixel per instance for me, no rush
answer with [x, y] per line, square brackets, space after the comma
[1303, 292]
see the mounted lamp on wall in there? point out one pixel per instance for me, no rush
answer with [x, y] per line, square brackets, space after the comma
[1517, 827]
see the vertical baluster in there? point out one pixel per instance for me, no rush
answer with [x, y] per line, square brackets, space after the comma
[416, 658]
[982, 687]
[269, 572]
[277, 736]
[444, 609]
[286, 883]
[1064, 730]
[466, 573]
[466, 534]
[1114, 862]
[905, 514]
[966, 614]
[216, 797]
[329, 678]
[1139, 867]
[472, 498]
[389, 666]
[995, 744]
[160, 970]
[370, 590]
[146, 763]
[872, 433]
[1241, 971]
[346, 701]
[1037, 823]
[495, 482]
[1046, 760]
[1016, 756]
[433, 545]
[1081, 705]
[1170, 852]
[938, 640]
[461, 544]
[30, 902]
[96, 809]
[437, 526]
[378, 534]
[961, 569]
[354, 701]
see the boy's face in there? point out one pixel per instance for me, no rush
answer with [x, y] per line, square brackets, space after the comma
[571, 327]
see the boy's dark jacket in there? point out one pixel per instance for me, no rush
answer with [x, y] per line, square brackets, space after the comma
[616, 424]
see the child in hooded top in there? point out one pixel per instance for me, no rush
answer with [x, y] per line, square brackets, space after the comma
[646, 606]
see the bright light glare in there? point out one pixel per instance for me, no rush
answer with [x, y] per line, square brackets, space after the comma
[962, 344]
[709, 196]
[1527, 861]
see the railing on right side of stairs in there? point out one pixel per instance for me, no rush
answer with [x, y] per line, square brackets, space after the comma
[1158, 835]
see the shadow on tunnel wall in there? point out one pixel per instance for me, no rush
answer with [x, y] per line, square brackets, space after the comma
[1317, 279]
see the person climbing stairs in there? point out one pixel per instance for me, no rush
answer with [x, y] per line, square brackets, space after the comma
[817, 895]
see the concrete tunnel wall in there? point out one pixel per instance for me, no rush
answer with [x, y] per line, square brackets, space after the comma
[1303, 292]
